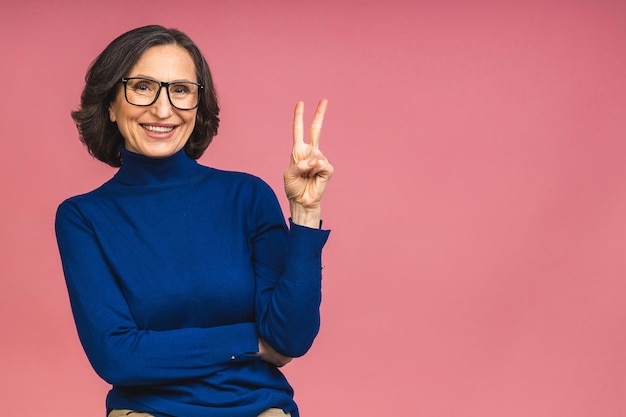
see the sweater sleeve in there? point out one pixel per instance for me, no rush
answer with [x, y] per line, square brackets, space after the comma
[288, 267]
[120, 352]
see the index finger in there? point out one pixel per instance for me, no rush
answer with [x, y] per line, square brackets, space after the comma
[316, 124]
[298, 123]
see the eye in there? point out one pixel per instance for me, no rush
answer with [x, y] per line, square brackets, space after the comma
[143, 86]
[180, 89]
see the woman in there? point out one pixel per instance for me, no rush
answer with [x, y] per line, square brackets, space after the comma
[187, 287]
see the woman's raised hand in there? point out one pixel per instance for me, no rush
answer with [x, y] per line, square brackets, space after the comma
[309, 170]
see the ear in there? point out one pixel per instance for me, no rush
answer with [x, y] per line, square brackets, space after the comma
[112, 113]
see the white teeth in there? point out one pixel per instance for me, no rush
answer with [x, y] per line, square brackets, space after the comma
[159, 129]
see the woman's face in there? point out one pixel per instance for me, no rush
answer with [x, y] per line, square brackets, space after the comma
[159, 130]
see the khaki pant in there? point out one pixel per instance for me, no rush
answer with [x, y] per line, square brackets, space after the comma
[272, 412]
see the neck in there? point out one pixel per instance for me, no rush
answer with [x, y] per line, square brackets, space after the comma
[139, 169]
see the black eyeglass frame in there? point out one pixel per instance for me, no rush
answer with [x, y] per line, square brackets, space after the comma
[161, 85]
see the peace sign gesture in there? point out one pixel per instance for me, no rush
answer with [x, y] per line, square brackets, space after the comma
[309, 170]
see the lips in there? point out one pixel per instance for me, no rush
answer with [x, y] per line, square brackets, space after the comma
[158, 129]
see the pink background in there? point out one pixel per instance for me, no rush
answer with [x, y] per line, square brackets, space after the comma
[476, 266]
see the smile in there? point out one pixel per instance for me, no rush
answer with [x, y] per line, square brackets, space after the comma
[158, 129]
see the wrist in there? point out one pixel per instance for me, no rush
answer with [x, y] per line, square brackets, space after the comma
[305, 216]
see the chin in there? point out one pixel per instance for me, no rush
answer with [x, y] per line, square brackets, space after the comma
[161, 154]
[157, 151]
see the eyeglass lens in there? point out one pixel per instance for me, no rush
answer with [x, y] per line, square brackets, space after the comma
[144, 92]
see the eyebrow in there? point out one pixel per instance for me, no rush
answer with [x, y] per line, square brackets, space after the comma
[183, 80]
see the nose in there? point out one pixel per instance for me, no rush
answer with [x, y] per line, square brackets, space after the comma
[162, 107]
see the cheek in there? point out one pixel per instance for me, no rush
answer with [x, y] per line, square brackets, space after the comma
[192, 121]
[126, 116]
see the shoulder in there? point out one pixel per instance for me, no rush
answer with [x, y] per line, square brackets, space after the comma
[87, 197]
[240, 180]
[232, 176]
[245, 193]
[77, 204]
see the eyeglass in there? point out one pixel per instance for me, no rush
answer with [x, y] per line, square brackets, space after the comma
[183, 95]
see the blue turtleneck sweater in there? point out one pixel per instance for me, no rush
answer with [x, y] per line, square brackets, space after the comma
[174, 271]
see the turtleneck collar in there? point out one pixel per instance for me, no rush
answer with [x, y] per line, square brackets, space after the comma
[138, 169]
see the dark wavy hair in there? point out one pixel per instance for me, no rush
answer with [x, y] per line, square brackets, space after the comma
[98, 133]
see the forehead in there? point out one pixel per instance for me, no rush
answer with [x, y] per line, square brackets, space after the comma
[165, 63]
